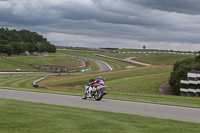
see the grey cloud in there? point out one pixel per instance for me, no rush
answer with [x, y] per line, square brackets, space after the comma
[28, 19]
[135, 20]
[121, 13]
[127, 14]
[179, 6]
[109, 15]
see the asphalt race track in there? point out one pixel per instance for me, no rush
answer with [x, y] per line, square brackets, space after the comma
[104, 66]
[144, 109]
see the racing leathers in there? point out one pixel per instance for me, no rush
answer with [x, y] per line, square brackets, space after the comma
[99, 82]
[96, 83]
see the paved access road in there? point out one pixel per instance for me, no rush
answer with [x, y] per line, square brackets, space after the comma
[144, 109]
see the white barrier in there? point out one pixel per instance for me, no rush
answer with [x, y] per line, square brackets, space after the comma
[153, 52]
[36, 85]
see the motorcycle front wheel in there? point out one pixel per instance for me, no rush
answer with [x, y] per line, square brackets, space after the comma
[98, 95]
[84, 96]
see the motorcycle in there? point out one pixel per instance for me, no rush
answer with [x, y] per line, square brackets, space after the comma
[97, 93]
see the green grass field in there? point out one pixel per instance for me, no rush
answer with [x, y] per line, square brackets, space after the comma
[22, 62]
[138, 85]
[7, 64]
[122, 85]
[116, 65]
[156, 59]
[23, 117]
[140, 50]
[111, 76]
[140, 94]
[19, 83]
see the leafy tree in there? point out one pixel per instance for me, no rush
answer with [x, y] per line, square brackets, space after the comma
[22, 47]
[22, 41]
[29, 47]
[52, 49]
[15, 46]
[1, 48]
[8, 49]
[39, 47]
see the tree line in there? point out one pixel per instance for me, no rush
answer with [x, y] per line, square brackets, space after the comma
[17, 42]
[180, 70]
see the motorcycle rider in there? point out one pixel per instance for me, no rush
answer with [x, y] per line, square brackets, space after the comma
[96, 83]
[99, 82]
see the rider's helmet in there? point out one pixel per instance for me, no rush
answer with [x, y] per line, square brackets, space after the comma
[100, 77]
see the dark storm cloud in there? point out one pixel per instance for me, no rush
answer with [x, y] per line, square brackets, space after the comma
[170, 21]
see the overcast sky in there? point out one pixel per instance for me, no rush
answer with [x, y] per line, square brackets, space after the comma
[156, 24]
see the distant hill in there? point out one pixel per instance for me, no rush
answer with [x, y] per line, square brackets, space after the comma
[17, 42]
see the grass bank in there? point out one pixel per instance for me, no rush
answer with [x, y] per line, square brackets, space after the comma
[22, 62]
[116, 65]
[128, 77]
[156, 59]
[23, 117]
[25, 84]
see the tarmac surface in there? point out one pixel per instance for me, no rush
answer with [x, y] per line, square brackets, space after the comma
[135, 108]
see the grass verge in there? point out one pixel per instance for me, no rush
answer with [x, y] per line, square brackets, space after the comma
[22, 117]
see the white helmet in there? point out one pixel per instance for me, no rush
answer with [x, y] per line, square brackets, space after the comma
[99, 77]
